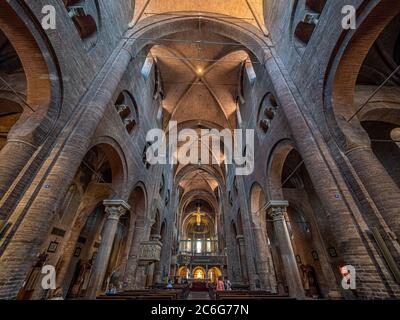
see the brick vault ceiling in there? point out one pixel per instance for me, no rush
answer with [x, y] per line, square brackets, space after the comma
[250, 11]
[201, 80]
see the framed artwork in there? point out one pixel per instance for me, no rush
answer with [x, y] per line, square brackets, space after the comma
[77, 252]
[52, 247]
[332, 252]
[315, 255]
[298, 259]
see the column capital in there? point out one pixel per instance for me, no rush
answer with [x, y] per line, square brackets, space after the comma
[116, 208]
[277, 208]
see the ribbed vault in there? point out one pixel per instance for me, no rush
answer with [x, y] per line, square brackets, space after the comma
[250, 11]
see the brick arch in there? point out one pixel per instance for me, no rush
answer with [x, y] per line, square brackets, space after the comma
[159, 26]
[257, 202]
[117, 160]
[44, 93]
[275, 168]
[349, 56]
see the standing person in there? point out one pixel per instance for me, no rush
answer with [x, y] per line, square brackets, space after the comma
[170, 285]
[228, 285]
[220, 285]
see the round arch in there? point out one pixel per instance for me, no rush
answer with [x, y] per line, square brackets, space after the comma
[275, 168]
[257, 199]
[345, 65]
[199, 273]
[159, 26]
[44, 92]
[214, 274]
[117, 160]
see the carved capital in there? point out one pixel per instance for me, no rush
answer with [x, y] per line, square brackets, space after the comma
[277, 209]
[115, 208]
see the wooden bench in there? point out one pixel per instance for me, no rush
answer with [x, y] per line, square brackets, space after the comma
[167, 294]
[184, 288]
[137, 297]
[247, 295]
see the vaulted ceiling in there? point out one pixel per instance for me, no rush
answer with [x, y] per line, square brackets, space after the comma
[250, 11]
[201, 74]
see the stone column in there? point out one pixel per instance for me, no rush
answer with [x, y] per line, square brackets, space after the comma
[243, 260]
[277, 210]
[114, 209]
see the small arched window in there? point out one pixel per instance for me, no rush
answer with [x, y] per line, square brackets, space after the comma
[127, 110]
[85, 14]
[310, 15]
[267, 112]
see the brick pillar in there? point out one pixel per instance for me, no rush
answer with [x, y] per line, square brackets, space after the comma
[150, 275]
[132, 266]
[342, 213]
[277, 210]
[380, 186]
[40, 201]
[243, 260]
[157, 268]
[231, 249]
[114, 209]
[264, 258]
[13, 158]
[140, 276]
[248, 243]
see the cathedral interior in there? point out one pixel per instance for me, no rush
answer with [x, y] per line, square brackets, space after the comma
[317, 214]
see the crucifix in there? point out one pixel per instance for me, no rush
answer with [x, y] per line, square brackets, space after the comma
[199, 216]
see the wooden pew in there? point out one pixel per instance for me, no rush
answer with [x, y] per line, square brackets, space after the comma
[247, 295]
[164, 294]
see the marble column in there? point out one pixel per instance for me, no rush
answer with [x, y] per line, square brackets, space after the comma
[277, 210]
[114, 209]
